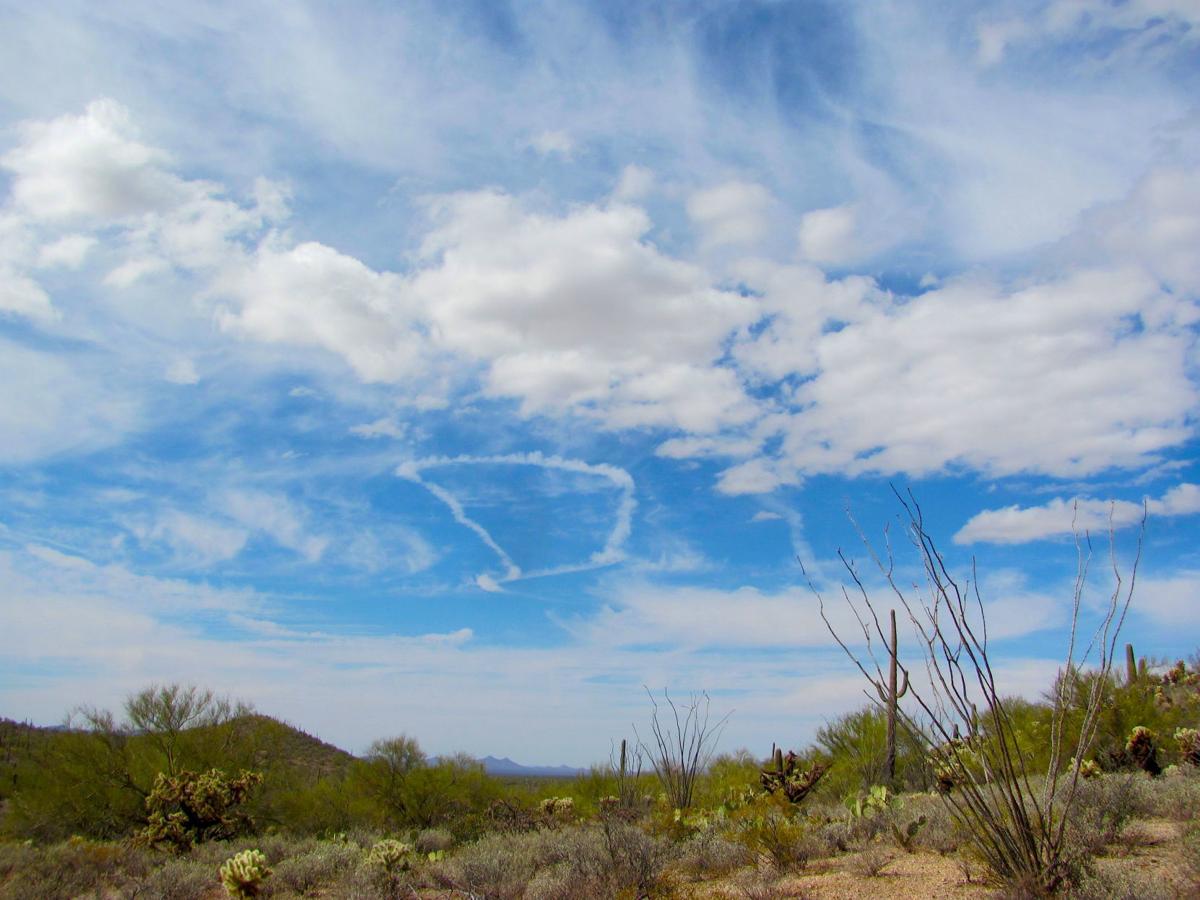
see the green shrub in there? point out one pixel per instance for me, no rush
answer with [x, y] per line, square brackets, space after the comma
[70, 869]
[1190, 850]
[1121, 884]
[770, 827]
[1103, 807]
[433, 840]
[594, 860]
[712, 853]
[314, 869]
[498, 866]
[855, 747]
[871, 860]
[176, 879]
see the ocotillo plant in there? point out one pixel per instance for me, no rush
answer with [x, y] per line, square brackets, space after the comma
[890, 696]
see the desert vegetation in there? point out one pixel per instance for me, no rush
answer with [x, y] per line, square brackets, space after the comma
[959, 790]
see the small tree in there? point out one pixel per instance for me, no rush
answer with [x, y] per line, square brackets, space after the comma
[164, 712]
[1019, 831]
[682, 746]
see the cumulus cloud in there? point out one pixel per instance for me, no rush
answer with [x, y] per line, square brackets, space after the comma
[68, 251]
[730, 214]
[89, 166]
[20, 295]
[579, 313]
[576, 312]
[1058, 517]
[312, 295]
[830, 236]
[1048, 377]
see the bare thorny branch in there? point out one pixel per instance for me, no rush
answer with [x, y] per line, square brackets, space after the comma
[680, 753]
[1021, 835]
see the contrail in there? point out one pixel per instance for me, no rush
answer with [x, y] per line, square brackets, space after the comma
[611, 552]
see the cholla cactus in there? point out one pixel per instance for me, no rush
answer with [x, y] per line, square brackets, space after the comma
[1189, 745]
[558, 808]
[391, 856]
[192, 807]
[786, 773]
[1142, 748]
[1089, 768]
[243, 875]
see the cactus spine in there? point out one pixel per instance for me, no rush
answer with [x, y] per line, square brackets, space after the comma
[890, 698]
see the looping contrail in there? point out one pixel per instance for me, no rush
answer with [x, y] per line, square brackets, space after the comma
[612, 551]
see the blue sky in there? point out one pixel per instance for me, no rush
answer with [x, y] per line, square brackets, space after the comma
[458, 369]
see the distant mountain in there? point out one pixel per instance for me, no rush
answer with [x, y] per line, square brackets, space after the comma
[507, 767]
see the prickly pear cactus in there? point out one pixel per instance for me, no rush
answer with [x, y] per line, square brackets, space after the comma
[243, 875]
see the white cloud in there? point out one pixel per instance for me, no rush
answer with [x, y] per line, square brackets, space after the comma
[1058, 517]
[23, 296]
[634, 184]
[830, 236]
[384, 427]
[89, 166]
[182, 371]
[50, 405]
[384, 547]
[276, 516]
[1157, 226]
[1169, 600]
[733, 213]
[764, 515]
[1048, 377]
[641, 613]
[68, 252]
[994, 38]
[312, 295]
[548, 142]
[197, 540]
[578, 313]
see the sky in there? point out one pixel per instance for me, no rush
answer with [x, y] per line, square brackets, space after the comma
[465, 369]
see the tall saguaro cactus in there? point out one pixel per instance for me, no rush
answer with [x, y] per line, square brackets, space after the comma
[1135, 669]
[890, 696]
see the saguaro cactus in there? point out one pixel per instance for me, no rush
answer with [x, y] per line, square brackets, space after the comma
[890, 696]
[1135, 669]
